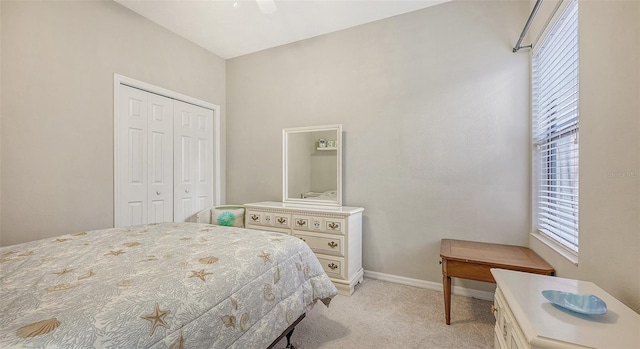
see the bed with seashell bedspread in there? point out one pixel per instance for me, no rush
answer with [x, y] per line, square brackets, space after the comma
[170, 285]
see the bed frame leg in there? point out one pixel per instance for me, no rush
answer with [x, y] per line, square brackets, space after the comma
[287, 333]
[289, 345]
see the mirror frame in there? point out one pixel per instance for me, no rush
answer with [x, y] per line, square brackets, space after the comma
[285, 165]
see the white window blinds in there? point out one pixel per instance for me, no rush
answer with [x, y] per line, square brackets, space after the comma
[555, 130]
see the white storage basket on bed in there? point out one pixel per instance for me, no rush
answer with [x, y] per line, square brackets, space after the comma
[227, 215]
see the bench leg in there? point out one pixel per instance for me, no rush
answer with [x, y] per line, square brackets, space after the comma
[446, 285]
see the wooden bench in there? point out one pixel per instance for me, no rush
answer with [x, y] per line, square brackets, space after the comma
[473, 260]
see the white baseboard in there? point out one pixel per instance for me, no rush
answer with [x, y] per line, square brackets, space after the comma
[435, 286]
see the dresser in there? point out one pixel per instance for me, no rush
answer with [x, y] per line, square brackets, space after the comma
[525, 319]
[334, 234]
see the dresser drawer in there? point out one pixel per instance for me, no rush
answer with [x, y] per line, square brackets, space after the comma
[323, 243]
[319, 224]
[305, 222]
[269, 219]
[334, 225]
[508, 332]
[499, 311]
[333, 266]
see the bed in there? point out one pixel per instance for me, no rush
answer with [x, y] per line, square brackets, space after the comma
[170, 285]
[325, 195]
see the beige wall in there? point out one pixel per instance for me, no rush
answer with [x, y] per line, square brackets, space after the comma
[609, 34]
[58, 61]
[435, 110]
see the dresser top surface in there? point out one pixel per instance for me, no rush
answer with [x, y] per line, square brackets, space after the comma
[540, 320]
[300, 207]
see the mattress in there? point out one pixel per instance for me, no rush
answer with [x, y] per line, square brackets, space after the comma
[170, 285]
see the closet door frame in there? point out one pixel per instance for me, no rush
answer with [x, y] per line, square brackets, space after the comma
[217, 141]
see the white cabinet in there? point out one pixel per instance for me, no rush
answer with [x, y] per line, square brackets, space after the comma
[334, 234]
[525, 319]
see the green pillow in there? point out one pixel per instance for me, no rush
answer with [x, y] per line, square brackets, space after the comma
[230, 216]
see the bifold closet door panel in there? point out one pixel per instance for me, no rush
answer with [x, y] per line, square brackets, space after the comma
[145, 158]
[160, 160]
[132, 207]
[193, 160]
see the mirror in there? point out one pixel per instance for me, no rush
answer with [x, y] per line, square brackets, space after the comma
[312, 165]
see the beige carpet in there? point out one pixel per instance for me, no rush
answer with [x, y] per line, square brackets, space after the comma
[387, 315]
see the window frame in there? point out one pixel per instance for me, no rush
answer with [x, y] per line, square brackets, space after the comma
[566, 250]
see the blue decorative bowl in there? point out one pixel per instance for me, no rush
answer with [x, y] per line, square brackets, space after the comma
[579, 303]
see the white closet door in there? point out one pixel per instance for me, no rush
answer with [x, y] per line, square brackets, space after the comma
[160, 161]
[145, 158]
[193, 160]
[204, 159]
[132, 203]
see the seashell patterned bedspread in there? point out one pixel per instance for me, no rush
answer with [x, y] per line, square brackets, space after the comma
[170, 285]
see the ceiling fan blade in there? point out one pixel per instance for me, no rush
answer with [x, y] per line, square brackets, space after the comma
[267, 6]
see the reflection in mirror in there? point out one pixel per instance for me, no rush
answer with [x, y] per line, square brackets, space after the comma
[312, 159]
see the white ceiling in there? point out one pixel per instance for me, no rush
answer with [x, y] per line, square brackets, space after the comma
[234, 28]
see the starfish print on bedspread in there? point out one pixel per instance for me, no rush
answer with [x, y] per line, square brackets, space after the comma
[64, 271]
[265, 256]
[200, 274]
[114, 253]
[157, 319]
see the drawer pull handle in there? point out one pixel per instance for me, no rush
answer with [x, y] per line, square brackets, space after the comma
[254, 217]
[333, 266]
[493, 308]
[281, 220]
[332, 244]
[303, 239]
[333, 225]
[301, 222]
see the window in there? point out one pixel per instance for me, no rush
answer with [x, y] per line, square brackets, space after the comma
[555, 130]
